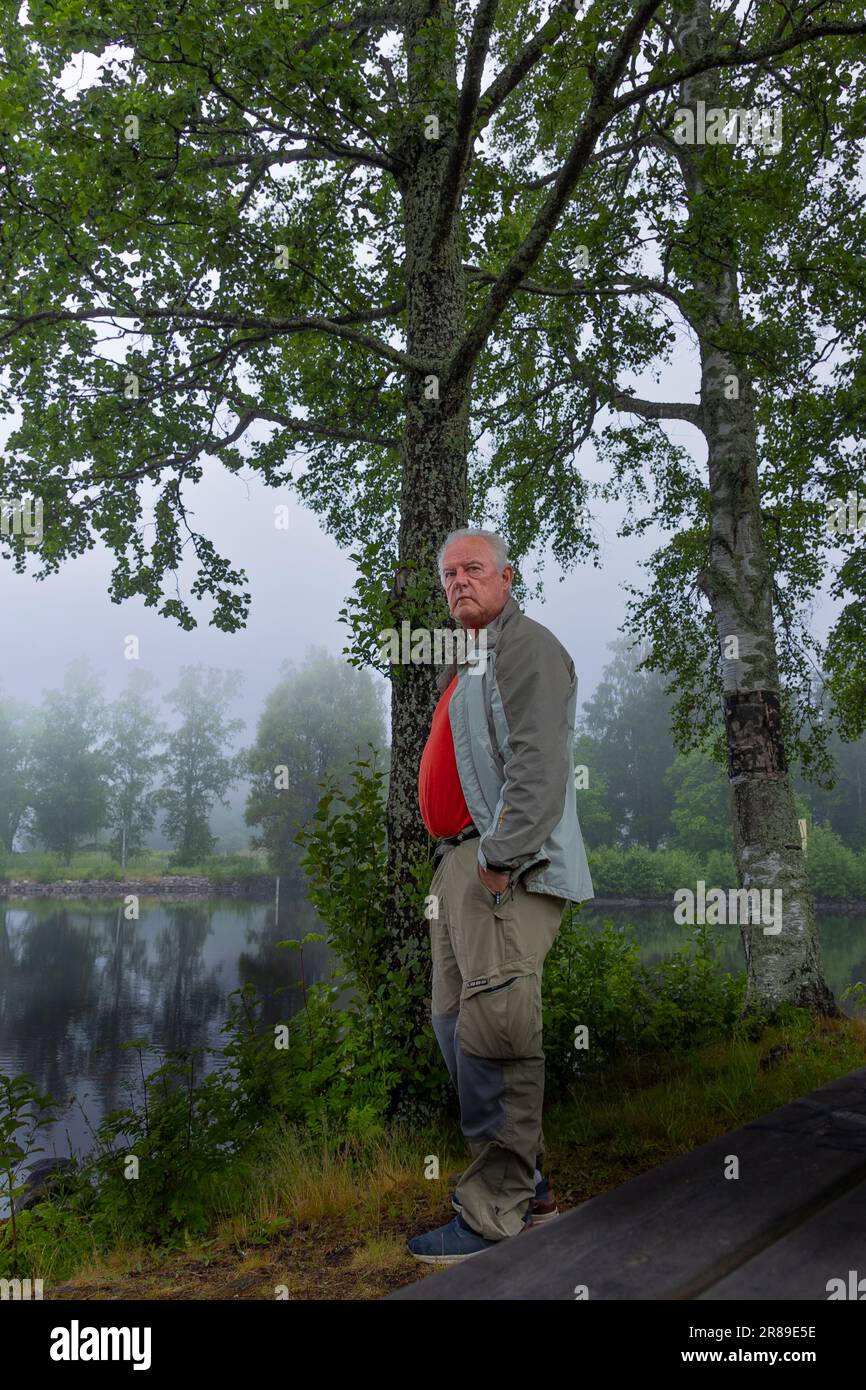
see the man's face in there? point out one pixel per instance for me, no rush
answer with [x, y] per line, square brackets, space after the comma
[475, 589]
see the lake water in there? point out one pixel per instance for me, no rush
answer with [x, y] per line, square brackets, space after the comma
[77, 980]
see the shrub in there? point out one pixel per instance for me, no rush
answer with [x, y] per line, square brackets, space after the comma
[835, 871]
[596, 979]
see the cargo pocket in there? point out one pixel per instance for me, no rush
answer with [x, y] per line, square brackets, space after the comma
[510, 941]
[500, 1013]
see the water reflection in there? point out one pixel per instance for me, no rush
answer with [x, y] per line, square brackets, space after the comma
[77, 980]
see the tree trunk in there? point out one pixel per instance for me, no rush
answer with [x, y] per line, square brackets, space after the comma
[737, 581]
[432, 499]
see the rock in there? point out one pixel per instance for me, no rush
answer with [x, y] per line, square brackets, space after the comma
[43, 1180]
[774, 1056]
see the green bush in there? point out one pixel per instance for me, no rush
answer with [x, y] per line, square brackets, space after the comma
[719, 870]
[389, 1060]
[23, 1111]
[48, 867]
[835, 871]
[641, 873]
[596, 979]
[162, 1165]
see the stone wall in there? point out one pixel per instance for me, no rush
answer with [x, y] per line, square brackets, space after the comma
[170, 885]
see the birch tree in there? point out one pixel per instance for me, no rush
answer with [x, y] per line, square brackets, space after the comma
[264, 234]
[752, 246]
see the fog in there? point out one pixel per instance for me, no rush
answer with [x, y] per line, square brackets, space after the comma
[299, 579]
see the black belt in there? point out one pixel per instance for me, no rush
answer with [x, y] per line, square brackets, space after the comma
[467, 834]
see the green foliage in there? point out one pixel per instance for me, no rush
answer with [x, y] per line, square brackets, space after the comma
[594, 808]
[701, 813]
[23, 1110]
[313, 722]
[69, 787]
[644, 873]
[187, 1135]
[595, 979]
[198, 770]
[371, 608]
[346, 856]
[835, 871]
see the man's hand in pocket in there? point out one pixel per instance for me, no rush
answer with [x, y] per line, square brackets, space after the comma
[494, 883]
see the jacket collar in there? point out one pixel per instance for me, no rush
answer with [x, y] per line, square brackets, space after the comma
[494, 628]
[494, 631]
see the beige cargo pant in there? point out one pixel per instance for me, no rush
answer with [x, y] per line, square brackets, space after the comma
[486, 1010]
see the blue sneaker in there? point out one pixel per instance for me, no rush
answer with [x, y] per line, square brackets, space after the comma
[449, 1244]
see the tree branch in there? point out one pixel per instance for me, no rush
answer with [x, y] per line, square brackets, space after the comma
[329, 150]
[602, 107]
[504, 84]
[631, 284]
[391, 16]
[634, 405]
[596, 118]
[320, 430]
[211, 445]
[739, 58]
[461, 143]
[623, 147]
[659, 410]
[337, 328]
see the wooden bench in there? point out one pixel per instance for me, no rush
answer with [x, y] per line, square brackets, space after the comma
[794, 1219]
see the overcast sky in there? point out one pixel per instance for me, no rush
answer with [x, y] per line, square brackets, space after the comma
[299, 580]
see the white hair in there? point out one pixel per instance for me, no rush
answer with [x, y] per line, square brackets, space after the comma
[493, 539]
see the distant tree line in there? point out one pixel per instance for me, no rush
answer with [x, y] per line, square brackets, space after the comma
[639, 791]
[79, 765]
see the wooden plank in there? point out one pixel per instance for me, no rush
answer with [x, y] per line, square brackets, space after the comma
[828, 1246]
[677, 1230]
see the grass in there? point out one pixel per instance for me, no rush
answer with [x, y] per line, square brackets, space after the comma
[44, 867]
[327, 1218]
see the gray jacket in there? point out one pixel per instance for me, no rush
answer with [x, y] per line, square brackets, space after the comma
[513, 729]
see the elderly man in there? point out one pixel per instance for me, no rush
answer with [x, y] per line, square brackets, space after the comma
[496, 788]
